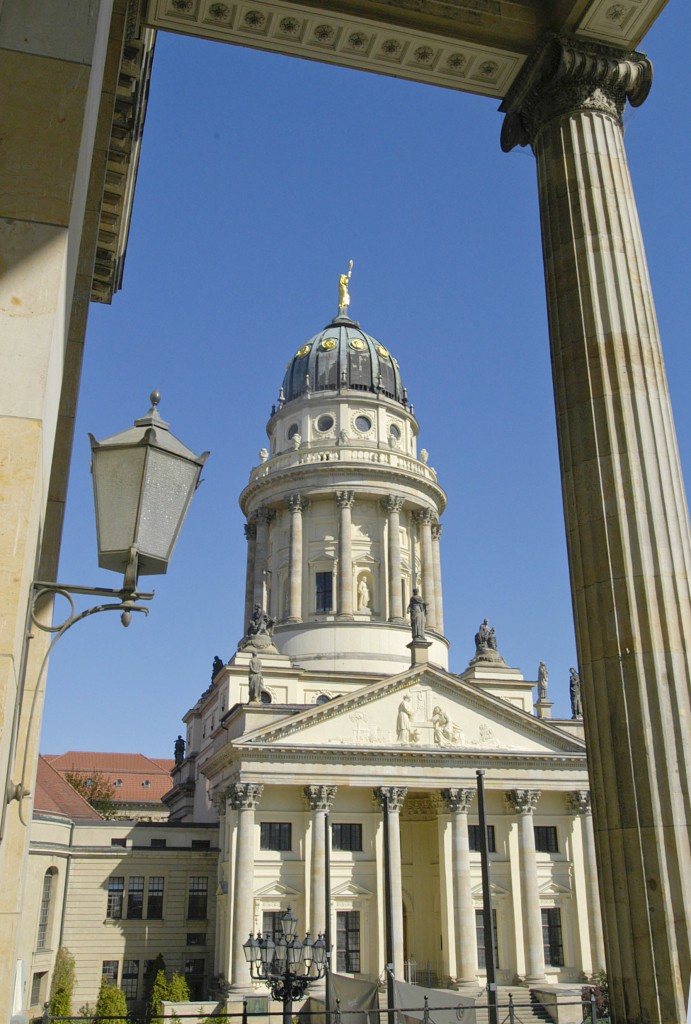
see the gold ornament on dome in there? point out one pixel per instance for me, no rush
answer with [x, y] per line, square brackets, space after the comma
[343, 293]
[302, 352]
[358, 343]
[328, 344]
[383, 352]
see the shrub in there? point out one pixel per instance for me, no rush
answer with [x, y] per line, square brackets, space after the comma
[159, 992]
[62, 985]
[111, 1001]
[178, 989]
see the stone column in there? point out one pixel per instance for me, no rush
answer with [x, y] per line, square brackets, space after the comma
[296, 504]
[221, 962]
[424, 519]
[244, 797]
[345, 500]
[251, 535]
[459, 801]
[625, 511]
[320, 799]
[580, 803]
[264, 517]
[394, 796]
[436, 558]
[392, 506]
[523, 803]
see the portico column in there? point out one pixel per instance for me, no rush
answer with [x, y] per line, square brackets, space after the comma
[392, 506]
[345, 500]
[523, 803]
[320, 799]
[221, 962]
[625, 511]
[391, 799]
[264, 517]
[436, 558]
[244, 796]
[580, 804]
[424, 519]
[459, 801]
[296, 504]
[251, 535]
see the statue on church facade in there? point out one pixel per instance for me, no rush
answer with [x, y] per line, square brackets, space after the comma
[179, 751]
[363, 594]
[256, 678]
[260, 623]
[216, 667]
[417, 610]
[542, 680]
[485, 636]
[575, 694]
[343, 293]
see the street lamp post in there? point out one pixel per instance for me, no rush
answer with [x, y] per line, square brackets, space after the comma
[287, 966]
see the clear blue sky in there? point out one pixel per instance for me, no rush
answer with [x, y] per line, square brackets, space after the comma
[260, 177]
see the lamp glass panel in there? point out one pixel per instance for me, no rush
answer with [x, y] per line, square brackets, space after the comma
[168, 489]
[294, 952]
[117, 476]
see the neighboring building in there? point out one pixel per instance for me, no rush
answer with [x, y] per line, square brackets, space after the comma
[138, 782]
[332, 713]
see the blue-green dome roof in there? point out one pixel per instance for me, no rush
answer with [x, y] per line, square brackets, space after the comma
[342, 355]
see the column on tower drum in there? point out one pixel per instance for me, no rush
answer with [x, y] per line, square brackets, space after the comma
[436, 557]
[424, 519]
[264, 517]
[251, 535]
[296, 505]
[392, 506]
[345, 501]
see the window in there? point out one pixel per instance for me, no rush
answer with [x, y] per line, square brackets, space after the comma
[552, 938]
[116, 886]
[271, 924]
[118, 783]
[292, 430]
[45, 908]
[196, 897]
[158, 844]
[346, 836]
[480, 933]
[348, 941]
[194, 975]
[135, 896]
[146, 784]
[196, 938]
[546, 839]
[363, 424]
[275, 835]
[325, 423]
[474, 838]
[322, 699]
[201, 844]
[154, 904]
[109, 971]
[324, 591]
[118, 842]
[37, 988]
[130, 978]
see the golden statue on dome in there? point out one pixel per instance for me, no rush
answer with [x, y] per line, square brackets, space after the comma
[343, 293]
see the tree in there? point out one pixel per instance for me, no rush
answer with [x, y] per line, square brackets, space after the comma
[62, 985]
[96, 790]
[178, 989]
[159, 992]
[111, 1001]
[152, 973]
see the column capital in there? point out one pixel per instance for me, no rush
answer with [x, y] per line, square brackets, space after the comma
[436, 531]
[458, 800]
[566, 75]
[522, 801]
[391, 503]
[250, 531]
[393, 795]
[579, 801]
[320, 798]
[423, 516]
[265, 515]
[296, 503]
[345, 499]
[220, 801]
[245, 796]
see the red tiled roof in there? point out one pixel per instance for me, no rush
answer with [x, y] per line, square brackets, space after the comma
[135, 777]
[55, 795]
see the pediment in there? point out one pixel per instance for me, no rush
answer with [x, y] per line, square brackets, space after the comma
[495, 890]
[349, 890]
[422, 709]
[552, 889]
[277, 890]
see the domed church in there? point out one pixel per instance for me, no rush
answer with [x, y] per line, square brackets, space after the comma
[336, 731]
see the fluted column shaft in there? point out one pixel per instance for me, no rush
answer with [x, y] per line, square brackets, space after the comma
[523, 803]
[459, 801]
[424, 519]
[625, 511]
[244, 797]
[436, 558]
[251, 535]
[580, 803]
[296, 505]
[345, 500]
[264, 517]
[320, 799]
[395, 797]
[392, 506]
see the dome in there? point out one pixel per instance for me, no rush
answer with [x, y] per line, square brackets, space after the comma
[342, 355]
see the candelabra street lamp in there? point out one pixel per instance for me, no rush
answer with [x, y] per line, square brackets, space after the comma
[287, 966]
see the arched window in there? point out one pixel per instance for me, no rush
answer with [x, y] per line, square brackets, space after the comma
[322, 699]
[265, 697]
[44, 913]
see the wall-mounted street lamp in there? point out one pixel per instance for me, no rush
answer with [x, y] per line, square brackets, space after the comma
[287, 966]
[144, 479]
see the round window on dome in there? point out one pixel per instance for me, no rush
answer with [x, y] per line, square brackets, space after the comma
[325, 423]
[292, 430]
[395, 432]
[363, 424]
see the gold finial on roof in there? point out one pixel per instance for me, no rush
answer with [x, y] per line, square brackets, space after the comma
[343, 294]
